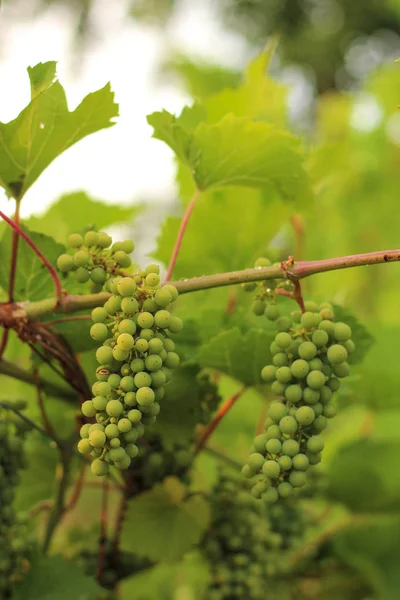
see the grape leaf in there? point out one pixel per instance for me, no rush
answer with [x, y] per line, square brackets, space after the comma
[76, 212]
[45, 128]
[372, 548]
[32, 281]
[54, 578]
[363, 475]
[166, 523]
[241, 356]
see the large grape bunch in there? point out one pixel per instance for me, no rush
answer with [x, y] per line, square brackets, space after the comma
[94, 258]
[243, 552]
[310, 354]
[136, 358]
[15, 542]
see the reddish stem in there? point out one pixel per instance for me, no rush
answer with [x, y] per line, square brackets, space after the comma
[18, 232]
[298, 228]
[181, 232]
[14, 255]
[76, 492]
[223, 410]
[231, 304]
[261, 418]
[103, 532]
[4, 340]
[43, 413]
[298, 296]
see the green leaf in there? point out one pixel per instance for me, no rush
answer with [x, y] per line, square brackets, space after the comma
[166, 523]
[54, 578]
[167, 129]
[218, 234]
[363, 475]
[372, 548]
[188, 579]
[76, 212]
[45, 128]
[32, 281]
[241, 356]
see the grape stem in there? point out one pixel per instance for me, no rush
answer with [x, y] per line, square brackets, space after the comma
[32, 424]
[221, 413]
[59, 507]
[12, 370]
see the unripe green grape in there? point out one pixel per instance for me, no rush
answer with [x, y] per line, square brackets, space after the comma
[99, 332]
[172, 360]
[307, 350]
[96, 427]
[114, 381]
[114, 408]
[125, 341]
[152, 268]
[268, 373]
[350, 346]
[159, 393]
[320, 423]
[130, 399]
[152, 279]
[310, 396]
[327, 326]
[134, 415]
[119, 354]
[99, 467]
[116, 246]
[280, 360]
[87, 408]
[283, 374]
[75, 240]
[256, 461]
[175, 326]
[297, 479]
[97, 439]
[259, 442]
[127, 246]
[308, 320]
[95, 288]
[271, 469]
[122, 259]
[99, 315]
[273, 446]
[262, 262]
[145, 396]
[285, 462]
[305, 415]
[65, 263]
[315, 380]
[285, 489]
[102, 373]
[156, 346]
[293, 393]
[325, 394]
[315, 444]
[125, 370]
[84, 430]
[115, 442]
[98, 275]
[336, 354]
[342, 370]
[82, 275]
[283, 323]
[277, 411]
[329, 410]
[278, 388]
[172, 290]
[141, 345]
[162, 319]
[290, 448]
[283, 340]
[320, 338]
[132, 450]
[124, 425]
[137, 365]
[163, 298]
[91, 238]
[311, 306]
[273, 432]
[145, 320]
[131, 436]
[81, 258]
[103, 240]
[300, 462]
[129, 305]
[142, 379]
[127, 326]
[84, 446]
[127, 384]
[274, 348]
[333, 384]
[258, 307]
[327, 314]
[126, 286]
[111, 431]
[100, 402]
[271, 312]
[117, 454]
[154, 362]
[300, 368]
[288, 425]
[316, 364]
[147, 334]
[270, 496]
[314, 457]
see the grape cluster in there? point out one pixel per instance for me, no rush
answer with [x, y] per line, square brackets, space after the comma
[309, 355]
[264, 302]
[15, 543]
[95, 257]
[243, 552]
[136, 358]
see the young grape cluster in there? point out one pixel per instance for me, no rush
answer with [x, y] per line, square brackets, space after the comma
[309, 355]
[264, 302]
[136, 358]
[15, 543]
[95, 258]
[243, 552]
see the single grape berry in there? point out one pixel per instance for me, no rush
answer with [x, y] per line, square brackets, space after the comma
[336, 354]
[271, 312]
[65, 263]
[75, 240]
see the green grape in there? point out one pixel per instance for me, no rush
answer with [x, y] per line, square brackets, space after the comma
[141, 345]
[103, 240]
[152, 268]
[134, 415]
[65, 263]
[91, 238]
[258, 307]
[137, 365]
[285, 489]
[84, 430]
[130, 399]
[283, 340]
[129, 305]
[152, 279]
[111, 431]
[271, 469]
[262, 262]
[75, 240]
[259, 442]
[142, 379]
[147, 334]
[150, 305]
[100, 402]
[326, 394]
[320, 338]
[300, 462]
[311, 306]
[82, 275]
[273, 446]
[145, 320]
[305, 415]
[256, 461]
[117, 454]
[175, 325]
[125, 341]
[162, 319]
[119, 354]
[327, 326]
[163, 297]
[99, 467]
[154, 362]
[99, 315]
[98, 275]
[127, 246]
[283, 374]
[329, 410]
[278, 388]
[288, 425]
[315, 380]
[125, 370]
[114, 381]
[320, 423]
[124, 425]
[285, 462]
[350, 346]
[132, 450]
[315, 444]
[270, 496]
[297, 479]
[172, 360]
[114, 408]
[333, 384]
[308, 320]
[81, 258]
[273, 432]
[307, 350]
[342, 332]
[99, 332]
[336, 354]
[127, 384]
[277, 411]
[145, 396]
[122, 259]
[342, 370]
[314, 458]
[268, 373]
[316, 364]
[299, 368]
[290, 447]
[280, 360]
[283, 324]
[172, 290]
[87, 408]
[293, 393]
[84, 446]
[156, 346]
[271, 312]
[97, 439]
[104, 355]
[327, 314]
[310, 396]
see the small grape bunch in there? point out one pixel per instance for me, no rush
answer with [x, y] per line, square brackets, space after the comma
[95, 257]
[136, 358]
[264, 302]
[310, 354]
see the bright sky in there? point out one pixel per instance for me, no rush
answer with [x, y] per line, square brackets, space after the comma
[122, 163]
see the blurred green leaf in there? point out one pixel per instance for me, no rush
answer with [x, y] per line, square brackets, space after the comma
[166, 523]
[45, 128]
